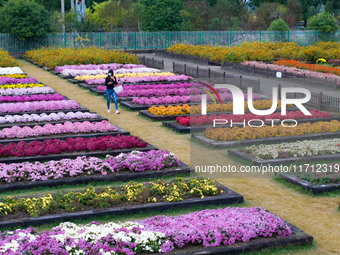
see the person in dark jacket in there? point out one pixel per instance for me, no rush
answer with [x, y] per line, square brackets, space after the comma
[110, 83]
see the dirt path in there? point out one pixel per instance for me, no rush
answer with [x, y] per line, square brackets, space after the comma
[317, 216]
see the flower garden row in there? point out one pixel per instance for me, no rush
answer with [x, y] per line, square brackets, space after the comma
[262, 55]
[126, 238]
[297, 68]
[156, 234]
[261, 51]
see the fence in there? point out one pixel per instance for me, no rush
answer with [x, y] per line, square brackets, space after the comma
[220, 77]
[318, 100]
[151, 62]
[161, 40]
[266, 72]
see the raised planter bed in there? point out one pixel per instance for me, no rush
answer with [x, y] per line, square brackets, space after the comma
[316, 189]
[149, 115]
[95, 90]
[281, 161]
[65, 136]
[74, 155]
[140, 83]
[32, 124]
[187, 129]
[74, 81]
[139, 107]
[298, 237]
[81, 109]
[227, 197]
[227, 144]
[66, 76]
[86, 86]
[114, 177]
[180, 128]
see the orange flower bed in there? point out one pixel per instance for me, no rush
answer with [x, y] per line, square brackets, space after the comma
[311, 67]
[260, 51]
[52, 57]
[186, 109]
[243, 133]
[7, 60]
[170, 110]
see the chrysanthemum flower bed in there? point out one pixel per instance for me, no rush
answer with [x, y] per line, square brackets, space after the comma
[311, 67]
[292, 70]
[130, 90]
[100, 72]
[45, 117]
[199, 120]
[305, 148]
[123, 75]
[135, 161]
[166, 78]
[14, 76]
[57, 146]
[243, 133]
[186, 109]
[92, 67]
[21, 86]
[76, 56]
[39, 106]
[57, 129]
[9, 80]
[207, 228]
[29, 98]
[226, 96]
[26, 91]
[132, 193]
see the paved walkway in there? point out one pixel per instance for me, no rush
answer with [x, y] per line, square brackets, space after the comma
[266, 83]
[317, 216]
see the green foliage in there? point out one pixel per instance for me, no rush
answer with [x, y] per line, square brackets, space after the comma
[25, 19]
[323, 22]
[278, 25]
[162, 15]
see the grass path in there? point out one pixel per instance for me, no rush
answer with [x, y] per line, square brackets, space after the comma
[316, 215]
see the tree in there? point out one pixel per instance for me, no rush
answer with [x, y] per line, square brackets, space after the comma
[278, 25]
[195, 15]
[162, 15]
[25, 19]
[115, 15]
[267, 12]
[323, 22]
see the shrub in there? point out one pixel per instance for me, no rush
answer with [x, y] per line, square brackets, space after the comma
[323, 22]
[25, 19]
[278, 25]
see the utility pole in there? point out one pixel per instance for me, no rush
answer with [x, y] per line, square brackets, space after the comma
[63, 14]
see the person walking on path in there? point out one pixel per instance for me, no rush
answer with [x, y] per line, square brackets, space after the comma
[110, 83]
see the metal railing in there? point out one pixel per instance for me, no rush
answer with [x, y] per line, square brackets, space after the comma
[160, 40]
[217, 77]
[318, 100]
[151, 62]
[268, 73]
